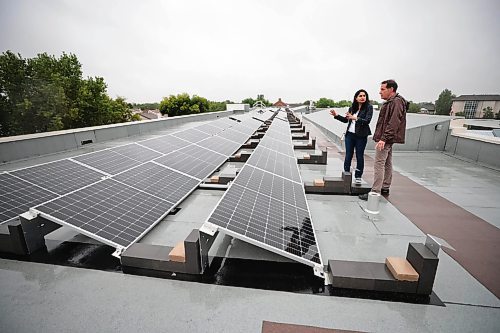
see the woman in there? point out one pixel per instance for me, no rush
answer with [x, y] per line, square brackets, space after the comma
[358, 119]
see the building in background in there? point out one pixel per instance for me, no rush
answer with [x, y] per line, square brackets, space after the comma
[473, 106]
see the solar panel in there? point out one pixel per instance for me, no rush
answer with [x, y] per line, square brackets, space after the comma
[277, 135]
[61, 176]
[268, 184]
[17, 196]
[118, 159]
[109, 211]
[223, 123]
[278, 145]
[234, 135]
[261, 219]
[192, 135]
[274, 162]
[220, 145]
[193, 160]
[159, 181]
[165, 144]
[209, 129]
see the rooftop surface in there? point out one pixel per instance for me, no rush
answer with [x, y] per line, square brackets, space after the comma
[429, 189]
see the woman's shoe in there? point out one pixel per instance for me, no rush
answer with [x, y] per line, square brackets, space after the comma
[384, 191]
[358, 181]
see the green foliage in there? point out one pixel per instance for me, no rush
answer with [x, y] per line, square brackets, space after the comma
[497, 115]
[252, 101]
[145, 106]
[46, 93]
[414, 108]
[218, 106]
[488, 113]
[183, 104]
[330, 103]
[444, 101]
[325, 103]
[460, 114]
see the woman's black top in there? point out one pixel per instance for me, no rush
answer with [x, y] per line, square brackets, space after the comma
[362, 124]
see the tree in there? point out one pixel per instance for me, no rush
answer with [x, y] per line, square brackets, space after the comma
[46, 93]
[342, 104]
[444, 101]
[183, 104]
[325, 103]
[252, 101]
[414, 108]
[488, 113]
[145, 106]
[497, 116]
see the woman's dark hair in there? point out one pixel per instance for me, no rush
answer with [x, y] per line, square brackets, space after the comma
[355, 106]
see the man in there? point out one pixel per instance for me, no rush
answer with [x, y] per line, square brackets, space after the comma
[390, 129]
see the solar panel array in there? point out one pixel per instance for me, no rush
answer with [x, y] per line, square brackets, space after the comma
[116, 195]
[266, 203]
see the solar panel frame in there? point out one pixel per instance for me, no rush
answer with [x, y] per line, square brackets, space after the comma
[157, 180]
[252, 183]
[209, 129]
[87, 208]
[275, 162]
[294, 237]
[61, 177]
[165, 144]
[115, 160]
[189, 161]
[18, 196]
[192, 135]
[220, 145]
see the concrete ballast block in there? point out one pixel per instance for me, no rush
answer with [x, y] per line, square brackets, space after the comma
[307, 157]
[178, 253]
[401, 269]
[214, 179]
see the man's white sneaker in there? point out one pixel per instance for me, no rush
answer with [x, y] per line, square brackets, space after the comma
[357, 181]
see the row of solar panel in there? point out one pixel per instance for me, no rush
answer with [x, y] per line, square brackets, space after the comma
[266, 204]
[25, 188]
[120, 210]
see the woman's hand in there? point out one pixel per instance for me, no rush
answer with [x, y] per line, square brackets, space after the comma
[350, 116]
[333, 113]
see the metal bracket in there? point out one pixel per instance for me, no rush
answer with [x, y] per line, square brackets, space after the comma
[319, 271]
[209, 228]
[118, 253]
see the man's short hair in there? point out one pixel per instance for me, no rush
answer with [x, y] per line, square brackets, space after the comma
[390, 84]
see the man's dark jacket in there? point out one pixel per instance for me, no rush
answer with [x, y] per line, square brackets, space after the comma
[391, 123]
[362, 127]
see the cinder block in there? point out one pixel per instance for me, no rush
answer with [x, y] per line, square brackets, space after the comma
[425, 263]
[307, 157]
[319, 182]
[367, 276]
[401, 269]
[238, 155]
[178, 254]
[214, 179]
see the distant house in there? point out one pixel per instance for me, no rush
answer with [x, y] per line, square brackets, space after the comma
[427, 108]
[472, 105]
[147, 114]
[280, 103]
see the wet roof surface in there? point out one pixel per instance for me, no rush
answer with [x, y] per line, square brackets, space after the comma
[48, 297]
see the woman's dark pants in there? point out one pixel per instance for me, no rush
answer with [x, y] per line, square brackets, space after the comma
[358, 143]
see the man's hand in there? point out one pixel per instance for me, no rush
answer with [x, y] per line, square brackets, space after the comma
[380, 145]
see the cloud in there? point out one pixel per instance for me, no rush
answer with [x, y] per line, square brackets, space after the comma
[296, 50]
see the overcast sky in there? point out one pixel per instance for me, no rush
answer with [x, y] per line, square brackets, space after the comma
[296, 50]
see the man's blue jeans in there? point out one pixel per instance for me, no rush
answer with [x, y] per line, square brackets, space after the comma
[358, 143]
